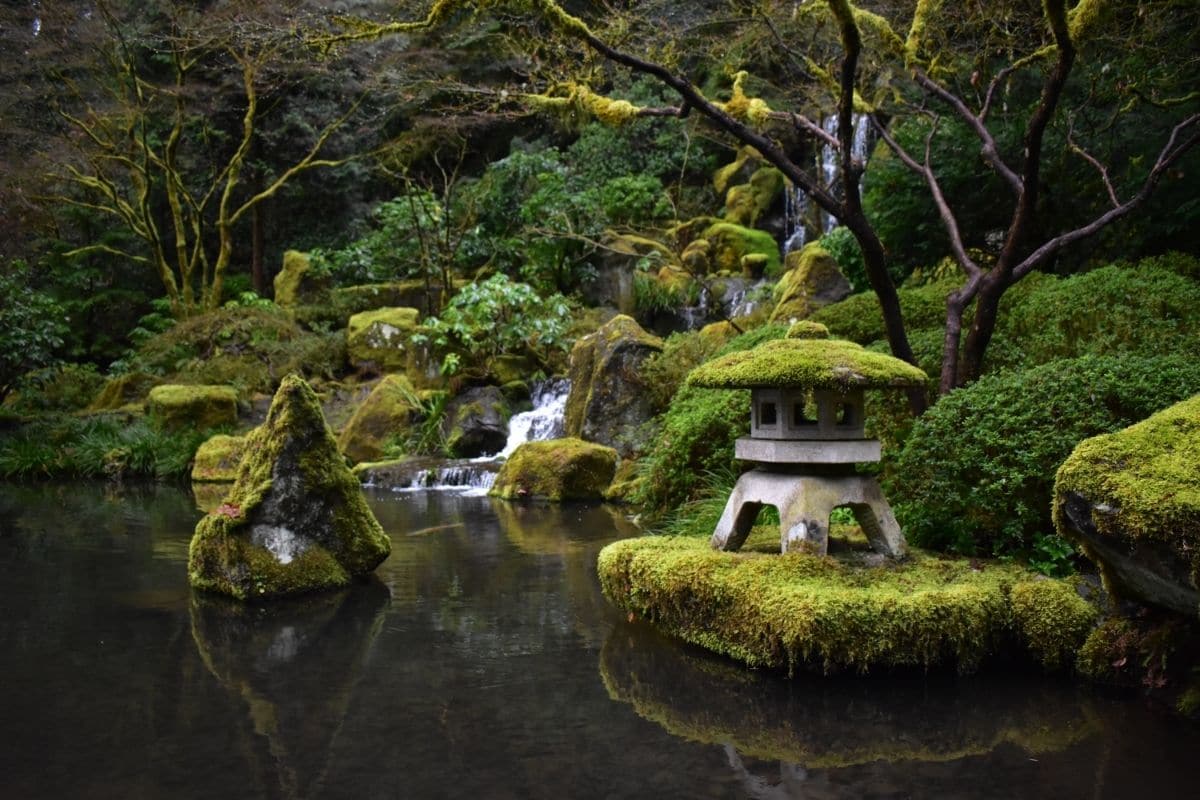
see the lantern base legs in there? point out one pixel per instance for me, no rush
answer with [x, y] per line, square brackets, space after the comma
[805, 503]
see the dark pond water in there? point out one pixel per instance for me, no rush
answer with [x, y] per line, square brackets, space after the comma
[483, 663]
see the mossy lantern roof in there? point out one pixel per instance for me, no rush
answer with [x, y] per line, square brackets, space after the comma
[807, 363]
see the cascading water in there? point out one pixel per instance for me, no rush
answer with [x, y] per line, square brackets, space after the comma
[796, 202]
[544, 421]
[476, 475]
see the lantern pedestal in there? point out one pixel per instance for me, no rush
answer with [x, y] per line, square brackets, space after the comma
[805, 502]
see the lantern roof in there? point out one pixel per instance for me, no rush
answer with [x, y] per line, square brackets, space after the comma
[796, 363]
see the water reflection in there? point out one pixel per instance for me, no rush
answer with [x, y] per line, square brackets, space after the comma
[295, 666]
[819, 723]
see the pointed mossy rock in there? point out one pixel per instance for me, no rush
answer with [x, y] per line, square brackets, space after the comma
[386, 413]
[812, 281]
[380, 339]
[295, 520]
[609, 399]
[1131, 501]
[296, 280]
[217, 460]
[178, 406]
[728, 243]
[556, 470]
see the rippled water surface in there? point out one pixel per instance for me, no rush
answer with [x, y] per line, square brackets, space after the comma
[483, 663]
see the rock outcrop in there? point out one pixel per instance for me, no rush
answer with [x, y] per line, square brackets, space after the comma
[556, 470]
[476, 422]
[609, 400]
[295, 520]
[1131, 501]
[387, 412]
[812, 281]
[297, 283]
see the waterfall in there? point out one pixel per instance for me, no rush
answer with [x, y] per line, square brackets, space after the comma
[474, 476]
[795, 210]
[695, 316]
[544, 421]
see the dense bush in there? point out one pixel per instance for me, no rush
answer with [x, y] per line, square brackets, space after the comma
[696, 437]
[251, 349]
[499, 316]
[859, 319]
[32, 325]
[976, 473]
[63, 387]
[1112, 310]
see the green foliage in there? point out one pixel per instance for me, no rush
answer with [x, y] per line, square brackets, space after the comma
[858, 318]
[841, 244]
[63, 387]
[499, 316]
[696, 437]
[250, 299]
[977, 471]
[1112, 310]
[799, 610]
[663, 372]
[32, 325]
[103, 446]
[634, 200]
[393, 247]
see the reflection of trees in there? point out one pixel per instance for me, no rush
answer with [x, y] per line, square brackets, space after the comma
[834, 722]
[296, 665]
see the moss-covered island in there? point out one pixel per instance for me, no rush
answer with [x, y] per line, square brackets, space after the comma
[295, 520]
[798, 611]
[1131, 500]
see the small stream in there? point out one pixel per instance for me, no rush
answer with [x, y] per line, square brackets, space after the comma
[481, 661]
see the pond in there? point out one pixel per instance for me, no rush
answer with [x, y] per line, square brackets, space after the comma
[482, 663]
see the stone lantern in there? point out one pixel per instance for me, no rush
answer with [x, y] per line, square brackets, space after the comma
[806, 436]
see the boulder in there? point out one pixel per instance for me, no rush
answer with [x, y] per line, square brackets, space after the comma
[812, 281]
[511, 368]
[623, 256]
[200, 407]
[379, 339]
[295, 520]
[609, 399]
[476, 422]
[728, 243]
[745, 164]
[1131, 501]
[388, 411]
[556, 470]
[745, 203]
[218, 458]
[297, 283]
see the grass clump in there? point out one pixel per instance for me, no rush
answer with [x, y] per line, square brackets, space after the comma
[793, 610]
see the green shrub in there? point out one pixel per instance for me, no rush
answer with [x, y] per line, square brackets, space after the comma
[859, 319]
[976, 473]
[32, 325]
[664, 371]
[696, 436]
[65, 387]
[1111, 310]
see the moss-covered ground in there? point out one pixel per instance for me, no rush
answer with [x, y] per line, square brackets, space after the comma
[799, 611]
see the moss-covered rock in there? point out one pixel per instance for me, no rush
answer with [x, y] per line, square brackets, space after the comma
[511, 368]
[387, 412]
[199, 407]
[728, 243]
[745, 164]
[1131, 500]
[393, 294]
[609, 399]
[807, 329]
[295, 520]
[476, 422]
[296, 282]
[812, 281]
[556, 470]
[379, 339]
[124, 390]
[746, 202]
[801, 363]
[784, 611]
[218, 458]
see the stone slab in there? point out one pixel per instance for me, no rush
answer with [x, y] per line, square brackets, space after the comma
[794, 451]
